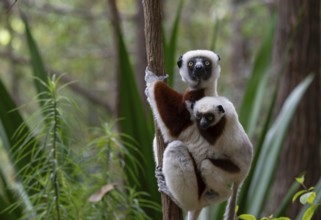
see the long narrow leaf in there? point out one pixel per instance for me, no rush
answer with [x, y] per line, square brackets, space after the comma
[258, 148]
[7, 198]
[136, 124]
[170, 48]
[270, 150]
[255, 90]
[37, 63]
[11, 120]
[215, 32]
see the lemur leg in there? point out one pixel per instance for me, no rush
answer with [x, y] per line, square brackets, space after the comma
[180, 178]
[217, 181]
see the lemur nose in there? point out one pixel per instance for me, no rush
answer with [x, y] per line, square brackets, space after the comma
[198, 67]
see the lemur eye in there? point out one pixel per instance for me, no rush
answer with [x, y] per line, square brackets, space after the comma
[190, 63]
[207, 63]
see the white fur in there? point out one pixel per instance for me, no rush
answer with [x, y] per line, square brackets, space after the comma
[233, 144]
[152, 101]
[210, 85]
[178, 168]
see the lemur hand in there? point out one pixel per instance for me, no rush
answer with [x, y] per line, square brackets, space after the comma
[151, 77]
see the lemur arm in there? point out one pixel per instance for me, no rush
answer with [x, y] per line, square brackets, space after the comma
[167, 105]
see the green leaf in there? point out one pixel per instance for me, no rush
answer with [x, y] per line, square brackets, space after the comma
[317, 201]
[12, 122]
[298, 194]
[312, 197]
[135, 123]
[300, 179]
[255, 90]
[170, 48]
[38, 67]
[309, 212]
[308, 198]
[311, 188]
[215, 32]
[8, 198]
[263, 174]
[247, 217]
[267, 122]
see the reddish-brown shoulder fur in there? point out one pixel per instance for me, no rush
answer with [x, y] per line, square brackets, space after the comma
[172, 108]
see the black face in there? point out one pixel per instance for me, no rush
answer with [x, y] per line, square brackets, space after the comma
[205, 120]
[199, 68]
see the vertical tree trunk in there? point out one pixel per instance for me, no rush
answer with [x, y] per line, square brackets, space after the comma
[140, 51]
[155, 61]
[299, 31]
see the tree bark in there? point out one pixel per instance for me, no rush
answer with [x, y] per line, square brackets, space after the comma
[298, 32]
[140, 54]
[155, 62]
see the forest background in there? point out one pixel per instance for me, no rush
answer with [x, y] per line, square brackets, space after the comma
[76, 130]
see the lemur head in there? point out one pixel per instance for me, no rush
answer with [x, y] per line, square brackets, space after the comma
[207, 112]
[199, 68]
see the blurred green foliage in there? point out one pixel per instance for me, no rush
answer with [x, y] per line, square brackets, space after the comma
[74, 39]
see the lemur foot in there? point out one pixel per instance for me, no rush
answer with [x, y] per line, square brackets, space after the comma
[151, 77]
[161, 183]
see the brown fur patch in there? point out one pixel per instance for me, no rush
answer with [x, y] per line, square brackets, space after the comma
[211, 134]
[172, 108]
[200, 183]
[225, 165]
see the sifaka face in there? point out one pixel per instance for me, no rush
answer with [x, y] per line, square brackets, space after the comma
[206, 118]
[199, 68]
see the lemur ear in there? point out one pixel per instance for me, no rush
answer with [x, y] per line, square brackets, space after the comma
[220, 108]
[219, 58]
[180, 61]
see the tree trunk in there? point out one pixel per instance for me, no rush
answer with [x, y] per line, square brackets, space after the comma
[140, 54]
[298, 44]
[155, 61]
